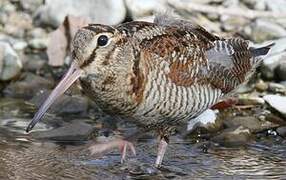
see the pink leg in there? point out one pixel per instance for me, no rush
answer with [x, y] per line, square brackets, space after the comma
[161, 152]
[121, 144]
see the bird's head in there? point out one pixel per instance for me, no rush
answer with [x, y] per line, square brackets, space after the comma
[92, 47]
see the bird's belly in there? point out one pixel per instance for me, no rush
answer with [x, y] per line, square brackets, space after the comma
[172, 103]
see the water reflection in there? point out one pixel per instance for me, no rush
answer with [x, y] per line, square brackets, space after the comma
[24, 158]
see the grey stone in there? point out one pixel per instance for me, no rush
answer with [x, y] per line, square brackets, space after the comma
[250, 100]
[233, 23]
[281, 131]
[74, 131]
[275, 57]
[105, 12]
[20, 45]
[235, 136]
[252, 123]
[280, 71]
[63, 105]
[138, 8]
[10, 63]
[277, 102]
[263, 30]
[278, 6]
[38, 43]
[31, 5]
[27, 87]
[276, 88]
[17, 23]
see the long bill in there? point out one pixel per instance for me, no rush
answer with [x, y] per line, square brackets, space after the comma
[69, 78]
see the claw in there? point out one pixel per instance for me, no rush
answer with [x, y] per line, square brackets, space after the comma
[121, 144]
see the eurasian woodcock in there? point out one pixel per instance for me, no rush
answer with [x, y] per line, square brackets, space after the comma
[158, 74]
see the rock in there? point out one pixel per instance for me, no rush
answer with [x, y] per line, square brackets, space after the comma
[261, 86]
[263, 30]
[27, 87]
[256, 4]
[34, 62]
[138, 8]
[275, 57]
[37, 33]
[250, 100]
[277, 102]
[30, 5]
[64, 105]
[205, 120]
[20, 45]
[281, 131]
[276, 88]
[278, 6]
[17, 23]
[253, 124]
[233, 23]
[235, 136]
[260, 5]
[104, 12]
[10, 63]
[76, 131]
[280, 71]
[38, 43]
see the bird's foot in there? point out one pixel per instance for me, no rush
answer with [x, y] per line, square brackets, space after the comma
[121, 144]
[161, 152]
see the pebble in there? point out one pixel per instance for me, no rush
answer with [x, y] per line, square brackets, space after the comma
[104, 12]
[276, 88]
[38, 43]
[281, 131]
[250, 100]
[277, 102]
[64, 105]
[250, 122]
[280, 71]
[26, 88]
[234, 136]
[74, 131]
[263, 30]
[261, 86]
[138, 8]
[10, 63]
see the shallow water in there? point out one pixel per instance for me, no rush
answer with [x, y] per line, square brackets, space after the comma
[22, 157]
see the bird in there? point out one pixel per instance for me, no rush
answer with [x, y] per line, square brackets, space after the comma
[158, 74]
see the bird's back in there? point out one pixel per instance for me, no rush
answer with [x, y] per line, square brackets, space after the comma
[181, 69]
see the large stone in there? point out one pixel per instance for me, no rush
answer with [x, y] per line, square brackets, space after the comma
[17, 23]
[109, 12]
[274, 58]
[280, 71]
[252, 123]
[235, 136]
[26, 88]
[138, 8]
[64, 105]
[10, 63]
[263, 30]
[281, 131]
[76, 131]
[278, 6]
[277, 102]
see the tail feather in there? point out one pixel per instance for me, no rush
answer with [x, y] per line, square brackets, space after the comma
[260, 51]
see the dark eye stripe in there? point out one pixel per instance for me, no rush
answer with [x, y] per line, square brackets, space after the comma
[89, 59]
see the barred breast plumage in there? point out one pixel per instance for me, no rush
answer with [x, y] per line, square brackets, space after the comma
[157, 73]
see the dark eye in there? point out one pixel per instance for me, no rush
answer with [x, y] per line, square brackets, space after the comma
[102, 40]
